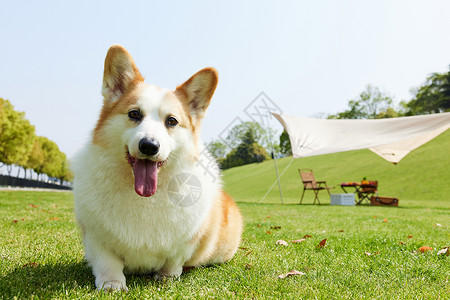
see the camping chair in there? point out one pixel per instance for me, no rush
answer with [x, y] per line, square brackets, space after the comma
[310, 183]
[366, 191]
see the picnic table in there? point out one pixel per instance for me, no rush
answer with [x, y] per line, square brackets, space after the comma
[364, 189]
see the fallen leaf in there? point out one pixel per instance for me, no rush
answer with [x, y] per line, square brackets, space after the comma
[291, 273]
[341, 230]
[401, 243]
[54, 218]
[298, 241]
[259, 225]
[15, 221]
[425, 249]
[268, 232]
[306, 236]
[446, 251]
[31, 264]
[410, 236]
[32, 205]
[282, 242]
[322, 243]
[385, 220]
[275, 227]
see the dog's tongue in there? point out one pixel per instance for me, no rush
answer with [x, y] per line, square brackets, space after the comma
[145, 177]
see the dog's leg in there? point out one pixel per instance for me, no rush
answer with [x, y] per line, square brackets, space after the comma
[106, 266]
[171, 269]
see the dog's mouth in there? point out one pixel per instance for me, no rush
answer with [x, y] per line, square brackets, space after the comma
[145, 174]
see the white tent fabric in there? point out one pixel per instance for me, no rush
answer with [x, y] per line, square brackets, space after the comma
[392, 138]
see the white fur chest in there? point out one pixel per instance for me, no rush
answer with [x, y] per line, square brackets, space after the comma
[143, 231]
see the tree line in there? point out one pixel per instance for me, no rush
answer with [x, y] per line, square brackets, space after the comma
[20, 146]
[248, 142]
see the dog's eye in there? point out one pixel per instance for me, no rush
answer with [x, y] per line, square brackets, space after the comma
[171, 121]
[135, 115]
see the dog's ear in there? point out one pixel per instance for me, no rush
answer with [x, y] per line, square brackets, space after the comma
[120, 73]
[197, 91]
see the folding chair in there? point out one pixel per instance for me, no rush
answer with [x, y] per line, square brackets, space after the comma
[310, 183]
[366, 191]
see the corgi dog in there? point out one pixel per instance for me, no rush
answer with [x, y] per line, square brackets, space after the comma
[148, 196]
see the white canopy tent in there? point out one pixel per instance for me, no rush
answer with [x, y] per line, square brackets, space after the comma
[392, 138]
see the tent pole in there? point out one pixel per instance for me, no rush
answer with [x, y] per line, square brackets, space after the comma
[269, 137]
[278, 178]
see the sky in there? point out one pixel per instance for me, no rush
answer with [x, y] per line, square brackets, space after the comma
[309, 58]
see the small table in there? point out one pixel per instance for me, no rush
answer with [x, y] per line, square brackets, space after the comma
[364, 191]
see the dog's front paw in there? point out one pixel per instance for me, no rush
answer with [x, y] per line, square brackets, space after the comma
[112, 286]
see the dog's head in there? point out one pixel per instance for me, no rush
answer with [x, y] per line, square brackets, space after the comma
[145, 124]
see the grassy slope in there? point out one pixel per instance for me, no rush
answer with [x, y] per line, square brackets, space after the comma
[422, 175]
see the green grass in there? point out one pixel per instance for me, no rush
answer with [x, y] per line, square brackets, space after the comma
[420, 177]
[42, 255]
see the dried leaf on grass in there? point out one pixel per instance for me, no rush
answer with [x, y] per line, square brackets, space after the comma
[30, 265]
[291, 273]
[425, 249]
[306, 236]
[282, 242]
[322, 243]
[445, 251]
[298, 241]
[275, 227]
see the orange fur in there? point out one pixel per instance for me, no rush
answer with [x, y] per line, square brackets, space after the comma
[220, 234]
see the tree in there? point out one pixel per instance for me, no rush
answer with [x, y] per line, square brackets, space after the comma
[53, 158]
[285, 144]
[17, 135]
[262, 136]
[371, 104]
[36, 158]
[249, 151]
[65, 172]
[433, 96]
[217, 149]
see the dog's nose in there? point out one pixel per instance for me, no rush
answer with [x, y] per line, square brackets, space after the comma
[149, 146]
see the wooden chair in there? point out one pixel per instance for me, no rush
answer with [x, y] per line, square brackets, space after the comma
[366, 191]
[310, 183]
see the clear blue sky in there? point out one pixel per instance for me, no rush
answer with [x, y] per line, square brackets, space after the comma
[310, 57]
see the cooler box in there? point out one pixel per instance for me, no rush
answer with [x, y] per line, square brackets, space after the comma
[342, 199]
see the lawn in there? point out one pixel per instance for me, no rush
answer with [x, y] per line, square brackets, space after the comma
[370, 252]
